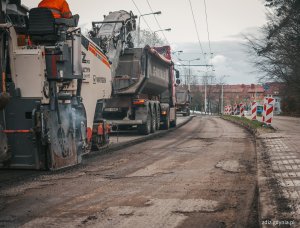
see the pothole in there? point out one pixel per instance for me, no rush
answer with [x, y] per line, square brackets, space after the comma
[230, 166]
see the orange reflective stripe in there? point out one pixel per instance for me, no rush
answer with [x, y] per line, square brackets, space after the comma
[66, 15]
[16, 131]
[56, 13]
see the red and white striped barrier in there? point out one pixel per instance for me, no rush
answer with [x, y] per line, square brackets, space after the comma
[235, 111]
[269, 110]
[253, 110]
[226, 111]
[242, 109]
[229, 109]
[265, 108]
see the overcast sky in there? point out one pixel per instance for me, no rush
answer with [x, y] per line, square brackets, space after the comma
[227, 19]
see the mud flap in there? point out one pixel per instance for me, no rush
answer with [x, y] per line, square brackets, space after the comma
[79, 115]
[4, 154]
[62, 149]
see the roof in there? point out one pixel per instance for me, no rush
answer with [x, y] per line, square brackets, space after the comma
[241, 88]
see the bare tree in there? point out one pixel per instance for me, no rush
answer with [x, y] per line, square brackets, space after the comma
[278, 50]
[147, 38]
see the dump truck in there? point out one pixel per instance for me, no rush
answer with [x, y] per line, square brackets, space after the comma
[52, 77]
[183, 101]
[143, 79]
[143, 92]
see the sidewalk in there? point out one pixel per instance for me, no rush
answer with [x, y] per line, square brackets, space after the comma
[278, 159]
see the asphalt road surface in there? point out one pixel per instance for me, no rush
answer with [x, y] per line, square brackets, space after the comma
[200, 175]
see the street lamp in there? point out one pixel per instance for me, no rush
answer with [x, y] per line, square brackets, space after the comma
[189, 61]
[154, 39]
[168, 30]
[174, 52]
[139, 24]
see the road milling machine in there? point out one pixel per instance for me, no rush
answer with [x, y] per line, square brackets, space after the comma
[143, 95]
[52, 77]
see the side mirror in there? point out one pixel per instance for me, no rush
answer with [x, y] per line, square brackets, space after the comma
[177, 74]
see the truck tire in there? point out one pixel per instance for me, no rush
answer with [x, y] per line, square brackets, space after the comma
[145, 129]
[153, 121]
[188, 112]
[157, 119]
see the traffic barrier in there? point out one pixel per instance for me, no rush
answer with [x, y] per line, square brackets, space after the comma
[242, 109]
[229, 109]
[235, 109]
[226, 110]
[265, 108]
[269, 110]
[253, 110]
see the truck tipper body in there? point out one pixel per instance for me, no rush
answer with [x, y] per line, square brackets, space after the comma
[143, 91]
[183, 101]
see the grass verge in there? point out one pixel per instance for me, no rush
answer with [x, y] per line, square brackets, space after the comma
[251, 125]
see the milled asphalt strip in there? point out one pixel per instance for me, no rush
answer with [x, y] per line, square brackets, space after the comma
[122, 145]
[245, 213]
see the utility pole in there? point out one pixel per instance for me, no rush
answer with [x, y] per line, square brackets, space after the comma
[205, 95]
[222, 99]
[222, 93]
[139, 25]
[205, 92]
[187, 80]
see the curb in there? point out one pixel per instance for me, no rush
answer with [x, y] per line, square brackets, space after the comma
[119, 146]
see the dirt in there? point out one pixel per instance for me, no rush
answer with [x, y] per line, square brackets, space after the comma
[201, 175]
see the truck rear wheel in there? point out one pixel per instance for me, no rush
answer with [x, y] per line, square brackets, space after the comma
[145, 128]
[157, 119]
[153, 121]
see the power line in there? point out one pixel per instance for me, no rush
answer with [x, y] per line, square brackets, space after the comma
[198, 37]
[141, 14]
[205, 7]
[157, 22]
